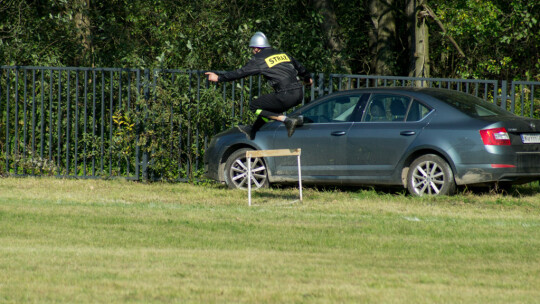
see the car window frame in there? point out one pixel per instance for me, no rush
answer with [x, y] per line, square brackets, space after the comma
[409, 109]
[390, 95]
[412, 99]
[362, 97]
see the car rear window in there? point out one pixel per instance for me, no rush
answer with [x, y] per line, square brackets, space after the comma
[417, 111]
[470, 105]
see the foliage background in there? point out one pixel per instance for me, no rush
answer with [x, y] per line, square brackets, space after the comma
[500, 38]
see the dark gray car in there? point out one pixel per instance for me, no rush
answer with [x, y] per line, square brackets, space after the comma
[426, 140]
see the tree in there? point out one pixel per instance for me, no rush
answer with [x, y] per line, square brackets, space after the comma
[383, 36]
[418, 39]
[500, 38]
[80, 11]
[331, 31]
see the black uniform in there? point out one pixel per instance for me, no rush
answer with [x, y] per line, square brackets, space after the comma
[280, 69]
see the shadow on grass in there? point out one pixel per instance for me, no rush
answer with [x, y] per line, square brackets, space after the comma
[265, 198]
[516, 191]
[524, 190]
[390, 190]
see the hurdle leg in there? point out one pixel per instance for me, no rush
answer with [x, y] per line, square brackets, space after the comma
[270, 153]
[249, 179]
[299, 176]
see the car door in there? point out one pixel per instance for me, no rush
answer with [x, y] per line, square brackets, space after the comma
[322, 138]
[389, 124]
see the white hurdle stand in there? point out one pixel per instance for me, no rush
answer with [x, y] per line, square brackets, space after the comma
[272, 153]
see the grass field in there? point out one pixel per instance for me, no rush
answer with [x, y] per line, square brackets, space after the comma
[98, 241]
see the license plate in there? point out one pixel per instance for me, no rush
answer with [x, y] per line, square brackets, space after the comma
[530, 138]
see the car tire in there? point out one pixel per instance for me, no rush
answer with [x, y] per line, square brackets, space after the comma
[236, 171]
[430, 175]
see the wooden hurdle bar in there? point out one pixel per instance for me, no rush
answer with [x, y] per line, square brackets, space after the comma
[272, 153]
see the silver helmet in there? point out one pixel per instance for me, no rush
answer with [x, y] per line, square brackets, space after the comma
[259, 40]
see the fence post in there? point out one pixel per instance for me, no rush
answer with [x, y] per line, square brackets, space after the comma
[512, 95]
[138, 127]
[504, 96]
[312, 88]
[144, 124]
[504, 93]
[7, 120]
[321, 84]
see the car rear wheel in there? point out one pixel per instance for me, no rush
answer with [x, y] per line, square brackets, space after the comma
[430, 175]
[236, 174]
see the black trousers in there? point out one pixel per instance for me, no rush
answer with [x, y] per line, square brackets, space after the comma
[274, 104]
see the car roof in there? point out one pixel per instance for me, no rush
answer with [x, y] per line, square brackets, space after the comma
[440, 94]
[447, 98]
[427, 91]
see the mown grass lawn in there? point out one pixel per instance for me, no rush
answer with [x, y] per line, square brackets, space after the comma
[101, 241]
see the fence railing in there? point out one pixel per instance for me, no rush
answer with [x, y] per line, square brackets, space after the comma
[522, 96]
[156, 124]
[480, 88]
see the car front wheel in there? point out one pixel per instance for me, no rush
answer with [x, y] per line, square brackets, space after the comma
[236, 174]
[430, 175]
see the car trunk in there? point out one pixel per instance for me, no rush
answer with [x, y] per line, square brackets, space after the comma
[524, 137]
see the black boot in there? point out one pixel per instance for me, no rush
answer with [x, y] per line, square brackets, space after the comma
[290, 124]
[257, 125]
[248, 131]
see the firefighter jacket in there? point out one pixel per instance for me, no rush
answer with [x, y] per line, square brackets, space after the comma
[279, 69]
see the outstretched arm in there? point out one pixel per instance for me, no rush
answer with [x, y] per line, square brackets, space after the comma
[251, 68]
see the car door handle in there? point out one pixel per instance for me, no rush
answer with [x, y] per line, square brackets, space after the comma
[407, 133]
[338, 133]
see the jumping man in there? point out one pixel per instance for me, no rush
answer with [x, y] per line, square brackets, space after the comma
[281, 70]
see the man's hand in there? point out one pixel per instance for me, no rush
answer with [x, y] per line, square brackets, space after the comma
[308, 83]
[212, 76]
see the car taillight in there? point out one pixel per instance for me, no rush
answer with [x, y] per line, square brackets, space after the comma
[496, 137]
[502, 166]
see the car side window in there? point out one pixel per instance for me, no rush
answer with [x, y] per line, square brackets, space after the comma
[417, 111]
[338, 109]
[386, 108]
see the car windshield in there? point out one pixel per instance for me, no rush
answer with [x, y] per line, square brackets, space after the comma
[470, 105]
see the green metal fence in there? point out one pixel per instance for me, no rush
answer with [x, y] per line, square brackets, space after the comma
[155, 124]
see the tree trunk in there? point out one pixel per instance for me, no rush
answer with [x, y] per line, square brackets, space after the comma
[383, 37]
[82, 22]
[418, 39]
[330, 28]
